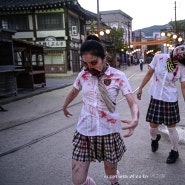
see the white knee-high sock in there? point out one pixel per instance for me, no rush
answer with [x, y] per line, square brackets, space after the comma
[153, 132]
[174, 138]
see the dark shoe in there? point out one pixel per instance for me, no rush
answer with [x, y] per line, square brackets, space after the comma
[155, 144]
[117, 183]
[173, 156]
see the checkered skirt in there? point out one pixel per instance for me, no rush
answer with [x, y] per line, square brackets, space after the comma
[161, 112]
[102, 148]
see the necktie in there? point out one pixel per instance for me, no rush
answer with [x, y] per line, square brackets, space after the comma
[171, 65]
[104, 94]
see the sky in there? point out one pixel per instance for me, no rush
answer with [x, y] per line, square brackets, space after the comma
[145, 13]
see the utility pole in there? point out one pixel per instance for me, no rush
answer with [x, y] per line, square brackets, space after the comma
[128, 24]
[98, 17]
[175, 18]
[176, 32]
[129, 50]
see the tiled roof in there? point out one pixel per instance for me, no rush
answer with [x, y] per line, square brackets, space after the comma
[31, 3]
[26, 5]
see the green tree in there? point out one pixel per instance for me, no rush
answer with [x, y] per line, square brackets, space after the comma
[116, 37]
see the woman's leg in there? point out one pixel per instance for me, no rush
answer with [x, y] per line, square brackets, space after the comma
[80, 153]
[174, 137]
[79, 172]
[153, 130]
[155, 137]
[111, 172]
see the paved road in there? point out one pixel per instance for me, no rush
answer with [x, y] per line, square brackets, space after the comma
[39, 152]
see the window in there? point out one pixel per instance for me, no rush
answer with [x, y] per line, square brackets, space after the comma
[73, 25]
[51, 21]
[74, 30]
[15, 22]
[5, 24]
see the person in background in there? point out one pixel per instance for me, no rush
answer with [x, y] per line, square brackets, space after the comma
[163, 107]
[97, 136]
[141, 62]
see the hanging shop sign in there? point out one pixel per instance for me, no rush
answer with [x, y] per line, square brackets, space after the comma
[52, 42]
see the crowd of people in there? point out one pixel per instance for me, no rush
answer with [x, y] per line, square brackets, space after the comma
[98, 134]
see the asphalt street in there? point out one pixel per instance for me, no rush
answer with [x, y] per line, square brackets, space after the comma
[36, 140]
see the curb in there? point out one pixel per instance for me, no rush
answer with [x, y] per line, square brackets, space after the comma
[29, 94]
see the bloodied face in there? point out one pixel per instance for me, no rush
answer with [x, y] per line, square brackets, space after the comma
[93, 64]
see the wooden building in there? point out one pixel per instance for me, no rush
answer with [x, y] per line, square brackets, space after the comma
[29, 57]
[59, 26]
[8, 84]
[21, 64]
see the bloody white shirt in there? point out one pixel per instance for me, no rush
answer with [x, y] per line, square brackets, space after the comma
[95, 119]
[163, 85]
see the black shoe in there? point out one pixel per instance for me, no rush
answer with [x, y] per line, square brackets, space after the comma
[117, 183]
[155, 144]
[173, 156]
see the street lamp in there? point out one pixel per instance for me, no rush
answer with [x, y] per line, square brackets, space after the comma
[175, 36]
[100, 32]
[107, 31]
[171, 35]
[104, 31]
[172, 40]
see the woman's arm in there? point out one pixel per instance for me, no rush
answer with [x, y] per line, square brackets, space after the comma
[183, 89]
[134, 109]
[144, 82]
[70, 97]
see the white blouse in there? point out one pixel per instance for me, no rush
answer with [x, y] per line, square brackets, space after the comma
[163, 85]
[95, 118]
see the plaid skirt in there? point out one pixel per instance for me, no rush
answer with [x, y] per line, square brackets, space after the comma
[102, 148]
[161, 112]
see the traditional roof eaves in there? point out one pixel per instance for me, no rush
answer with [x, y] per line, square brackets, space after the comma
[19, 42]
[85, 12]
[33, 5]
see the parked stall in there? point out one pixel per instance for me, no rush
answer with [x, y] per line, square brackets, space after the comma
[29, 57]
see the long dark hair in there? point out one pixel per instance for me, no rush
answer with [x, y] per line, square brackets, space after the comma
[92, 47]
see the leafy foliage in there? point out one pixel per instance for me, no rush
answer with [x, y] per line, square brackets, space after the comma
[178, 27]
[116, 37]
